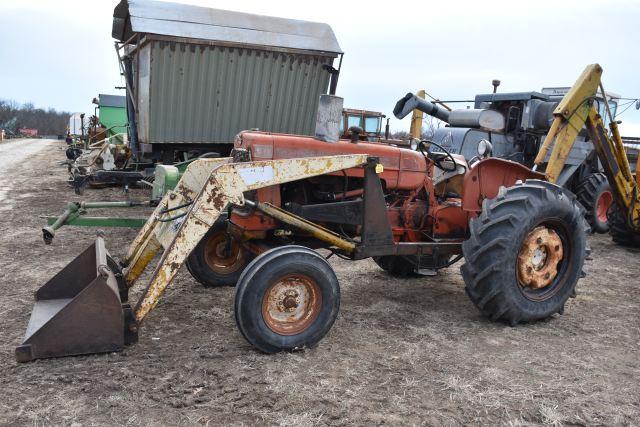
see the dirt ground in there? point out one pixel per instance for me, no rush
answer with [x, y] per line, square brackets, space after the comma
[413, 351]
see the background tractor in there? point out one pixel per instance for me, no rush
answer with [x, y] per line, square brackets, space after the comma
[369, 122]
[515, 124]
[365, 125]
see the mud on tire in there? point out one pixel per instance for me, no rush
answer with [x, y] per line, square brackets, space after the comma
[492, 262]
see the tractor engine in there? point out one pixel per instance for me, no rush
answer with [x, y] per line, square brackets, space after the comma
[334, 200]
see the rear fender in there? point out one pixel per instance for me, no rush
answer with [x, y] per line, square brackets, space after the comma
[485, 178]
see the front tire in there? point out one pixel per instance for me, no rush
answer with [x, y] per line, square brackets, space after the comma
[525, 253]
[286, 299]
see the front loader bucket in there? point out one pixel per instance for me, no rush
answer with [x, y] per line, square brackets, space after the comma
[80, 310]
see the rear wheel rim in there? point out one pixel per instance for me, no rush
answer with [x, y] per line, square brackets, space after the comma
[602, 205]
[223, 256]
[291, 304]
[539, 264]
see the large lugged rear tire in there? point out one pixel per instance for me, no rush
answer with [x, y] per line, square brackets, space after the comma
[286, 299]
[619, 230]
[594, 194]
[525, 252]
[217, 260]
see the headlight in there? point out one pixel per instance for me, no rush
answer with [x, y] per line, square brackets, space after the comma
[484, 148]
[414, 144]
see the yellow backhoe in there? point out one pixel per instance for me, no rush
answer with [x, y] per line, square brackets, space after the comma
[577, 110]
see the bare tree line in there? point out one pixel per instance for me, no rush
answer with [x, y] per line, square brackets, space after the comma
[14, 116]
[429, 126]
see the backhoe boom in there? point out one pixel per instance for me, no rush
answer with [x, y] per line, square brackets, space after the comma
[575, 111]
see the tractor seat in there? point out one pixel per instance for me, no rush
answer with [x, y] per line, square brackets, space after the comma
[450, 181]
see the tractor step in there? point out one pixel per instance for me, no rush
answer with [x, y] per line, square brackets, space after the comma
[426, 272]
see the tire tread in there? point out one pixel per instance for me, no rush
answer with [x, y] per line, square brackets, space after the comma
[489, 245]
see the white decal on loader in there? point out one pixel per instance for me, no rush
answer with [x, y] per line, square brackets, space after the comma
[256, 174]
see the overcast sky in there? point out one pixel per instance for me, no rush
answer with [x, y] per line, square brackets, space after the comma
[60, 53]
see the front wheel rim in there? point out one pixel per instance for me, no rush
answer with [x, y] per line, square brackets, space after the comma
[291, 304]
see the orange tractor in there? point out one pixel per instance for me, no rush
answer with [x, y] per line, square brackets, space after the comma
[256, 220]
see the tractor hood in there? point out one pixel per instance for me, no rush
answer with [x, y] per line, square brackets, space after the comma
[403, 169]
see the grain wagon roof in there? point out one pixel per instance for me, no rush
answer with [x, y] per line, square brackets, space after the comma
[180, 20]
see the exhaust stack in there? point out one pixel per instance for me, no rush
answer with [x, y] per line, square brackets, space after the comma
[411, 102]
[328, 118]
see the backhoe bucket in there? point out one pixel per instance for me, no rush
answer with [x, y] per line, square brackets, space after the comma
[80, 310]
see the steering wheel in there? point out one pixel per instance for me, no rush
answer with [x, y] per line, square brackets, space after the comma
[439, 157]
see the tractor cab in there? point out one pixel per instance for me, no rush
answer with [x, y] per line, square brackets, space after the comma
[557, 93]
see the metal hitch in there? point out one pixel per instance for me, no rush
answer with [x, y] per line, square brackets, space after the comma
[81, 310]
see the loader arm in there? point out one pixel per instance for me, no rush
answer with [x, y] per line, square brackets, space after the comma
[185, 214]
[576, 110]
[84, 308]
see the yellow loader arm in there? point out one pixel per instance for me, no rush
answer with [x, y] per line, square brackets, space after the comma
[576, 110]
